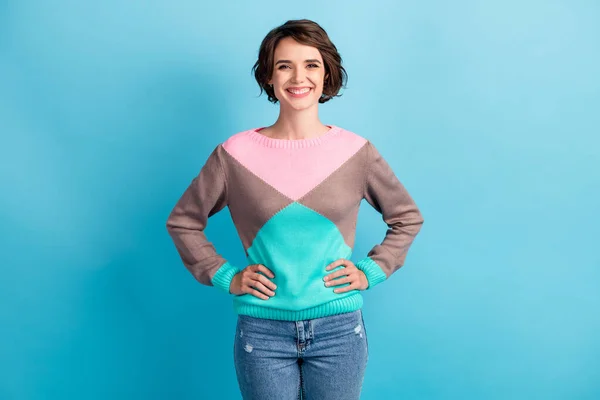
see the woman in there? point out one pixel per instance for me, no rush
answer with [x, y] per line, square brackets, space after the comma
[293, 190]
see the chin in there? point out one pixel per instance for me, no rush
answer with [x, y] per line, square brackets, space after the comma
[301, 106]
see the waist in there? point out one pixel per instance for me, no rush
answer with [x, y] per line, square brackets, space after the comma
[348, 303]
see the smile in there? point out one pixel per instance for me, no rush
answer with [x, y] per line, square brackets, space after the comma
[299, 92]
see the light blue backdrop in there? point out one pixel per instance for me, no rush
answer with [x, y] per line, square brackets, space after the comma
[487, 111]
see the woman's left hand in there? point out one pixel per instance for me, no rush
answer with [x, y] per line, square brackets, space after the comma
[352, 275]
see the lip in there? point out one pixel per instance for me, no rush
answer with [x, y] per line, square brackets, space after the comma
[298, 96]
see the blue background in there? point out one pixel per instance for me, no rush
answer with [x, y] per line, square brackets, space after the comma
[487, 111]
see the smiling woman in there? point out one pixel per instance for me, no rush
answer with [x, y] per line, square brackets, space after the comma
[293, 190]
[299, 73]
[297, 51]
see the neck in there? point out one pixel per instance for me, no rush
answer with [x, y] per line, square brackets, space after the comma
[297, 125]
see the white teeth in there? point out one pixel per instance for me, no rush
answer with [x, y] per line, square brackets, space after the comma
[299, 91]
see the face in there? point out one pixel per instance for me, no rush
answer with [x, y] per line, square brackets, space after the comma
[298, 74]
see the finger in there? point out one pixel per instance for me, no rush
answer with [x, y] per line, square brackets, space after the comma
[337, 263]
[337, 282]
[340, 272]
[249, 285]
[265, 281]
[348, 288]
[263, 288]
[258, 294]
[254, 269]
[266, 270]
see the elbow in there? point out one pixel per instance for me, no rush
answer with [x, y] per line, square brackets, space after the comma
[411, 222]
[420, 218]
[415, 217]
[170, 223]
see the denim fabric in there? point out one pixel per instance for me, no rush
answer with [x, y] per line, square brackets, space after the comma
[315, 359]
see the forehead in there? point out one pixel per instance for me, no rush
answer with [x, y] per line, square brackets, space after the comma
[289, 49]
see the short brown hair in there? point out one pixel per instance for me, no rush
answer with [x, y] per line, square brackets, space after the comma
[308, 33]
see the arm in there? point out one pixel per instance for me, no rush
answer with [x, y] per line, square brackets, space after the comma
[384, 192]
[205, 196]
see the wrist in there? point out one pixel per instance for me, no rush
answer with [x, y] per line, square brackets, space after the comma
[223, 277]
[372, 271]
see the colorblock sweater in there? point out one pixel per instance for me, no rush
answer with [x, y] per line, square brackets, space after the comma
[294, 204]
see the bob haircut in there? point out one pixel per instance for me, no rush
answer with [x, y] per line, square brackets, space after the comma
[308, 33]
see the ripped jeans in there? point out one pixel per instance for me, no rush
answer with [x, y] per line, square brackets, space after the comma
[316, 359]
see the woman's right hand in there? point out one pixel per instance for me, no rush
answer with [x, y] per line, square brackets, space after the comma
[251, 282]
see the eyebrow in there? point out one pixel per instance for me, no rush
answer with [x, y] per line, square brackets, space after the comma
[289, 61]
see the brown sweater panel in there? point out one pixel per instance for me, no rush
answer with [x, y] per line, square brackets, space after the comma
[205, 196]
[384, 192]
[338, 197]
[250, 212]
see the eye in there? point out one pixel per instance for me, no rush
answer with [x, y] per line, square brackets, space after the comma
[282, 66]
[316, 66]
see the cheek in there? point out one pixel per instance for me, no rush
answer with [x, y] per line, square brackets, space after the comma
[318, 79]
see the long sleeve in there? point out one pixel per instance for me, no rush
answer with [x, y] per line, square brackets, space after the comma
[384, 192]
[205, 196]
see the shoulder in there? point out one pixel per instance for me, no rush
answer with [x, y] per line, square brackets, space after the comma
[364, 147]
[231, 143]
[238, 136]
[351, 136]
[238, 140]
[356, 143]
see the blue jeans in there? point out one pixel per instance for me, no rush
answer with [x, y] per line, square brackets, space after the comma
[316, 359]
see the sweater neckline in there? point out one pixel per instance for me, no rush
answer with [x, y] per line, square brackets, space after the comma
[292, 143]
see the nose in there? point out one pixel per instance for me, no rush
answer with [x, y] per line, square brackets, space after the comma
[298, 75]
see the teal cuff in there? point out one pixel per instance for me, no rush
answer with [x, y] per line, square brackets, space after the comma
[223, 276]
[372, 270]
